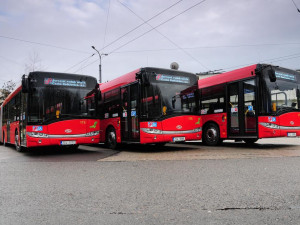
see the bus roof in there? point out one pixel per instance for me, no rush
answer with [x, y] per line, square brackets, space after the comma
[131, 77]
[11, 95]
[120, 81]
[238, 74]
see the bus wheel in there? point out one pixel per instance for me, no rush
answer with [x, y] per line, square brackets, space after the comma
[111, 138]
[211, 135]
[17, 142]
[250, 141]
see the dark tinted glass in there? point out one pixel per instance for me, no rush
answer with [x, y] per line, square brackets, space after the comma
[282, 95]
[169, 95]
[60, 98]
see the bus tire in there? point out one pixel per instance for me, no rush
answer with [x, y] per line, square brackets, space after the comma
[19, 148]
[211, 135]
[250, 141]
[111, 138]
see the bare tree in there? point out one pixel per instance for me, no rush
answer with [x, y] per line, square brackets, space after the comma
[34, 63]
[6, 89]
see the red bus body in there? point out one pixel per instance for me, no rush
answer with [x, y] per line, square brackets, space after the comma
[18, 128]
[250, 105]
[128, 119]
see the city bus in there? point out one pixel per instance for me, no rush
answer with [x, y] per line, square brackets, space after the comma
[50, 109]
[149, 106]
[247, 104]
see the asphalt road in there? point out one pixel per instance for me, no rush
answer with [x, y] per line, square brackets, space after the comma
[177, 184]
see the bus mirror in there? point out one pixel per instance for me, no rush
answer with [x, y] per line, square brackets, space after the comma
[25, 84]
[124, 97]
[272, 75]
[98, 95]
[298, 93]
[145, 80]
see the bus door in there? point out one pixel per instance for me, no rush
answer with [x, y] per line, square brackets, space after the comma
[130, 128]
[242, 111]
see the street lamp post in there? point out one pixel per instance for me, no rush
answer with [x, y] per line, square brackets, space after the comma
[100, 71]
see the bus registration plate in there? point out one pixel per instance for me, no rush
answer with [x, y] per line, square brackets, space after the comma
[291, 134]
[68, 143]
[176, 139]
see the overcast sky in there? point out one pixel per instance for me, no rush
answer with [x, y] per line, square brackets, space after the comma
[215, 34]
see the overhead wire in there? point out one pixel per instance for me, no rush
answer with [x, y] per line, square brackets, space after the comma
[130, 31]
[277, 59]
[79, 62]
[105, 30]
[152, 28]
[296, 6]
[201, 47]
[173, 17]
[171, 41]
[43, 44]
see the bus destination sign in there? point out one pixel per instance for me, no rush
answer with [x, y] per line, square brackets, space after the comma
[171, 78]
[285, 76]
[67, 83]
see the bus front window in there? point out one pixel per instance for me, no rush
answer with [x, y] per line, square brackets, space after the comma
[53, 103]
[167, 99]
[283, 94]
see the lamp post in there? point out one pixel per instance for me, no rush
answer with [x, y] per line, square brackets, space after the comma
[100, 71]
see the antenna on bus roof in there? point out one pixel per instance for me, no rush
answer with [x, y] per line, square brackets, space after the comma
[174, 66]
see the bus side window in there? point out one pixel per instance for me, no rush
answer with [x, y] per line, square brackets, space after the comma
[212, 100]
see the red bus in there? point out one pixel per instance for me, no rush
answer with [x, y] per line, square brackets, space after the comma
[50, 109]
[149, 105]
[258, 101]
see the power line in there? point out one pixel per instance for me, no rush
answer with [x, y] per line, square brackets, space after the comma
[43, 44]
[86, 66]
[157, 26]
[296, 6]
[149, 31]
[277, 59]
[12, 61]
[203, 47]
[106, 23]
[79, 62]
[161, 12]
[164, 36]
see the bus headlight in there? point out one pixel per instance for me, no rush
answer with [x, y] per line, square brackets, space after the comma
[93, 133]
[198, 129]
[151, 131]
[37, 135]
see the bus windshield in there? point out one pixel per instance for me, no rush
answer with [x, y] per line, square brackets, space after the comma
[169, 95]
[62, 99]
[283, 94]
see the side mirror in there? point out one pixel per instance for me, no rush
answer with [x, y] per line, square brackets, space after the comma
[98, 95]
[272, 75]
[25, 84]
[145, 80]
[125, 97]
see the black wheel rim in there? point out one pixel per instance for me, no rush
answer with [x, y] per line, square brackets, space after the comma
[211, 134]
[111, 138]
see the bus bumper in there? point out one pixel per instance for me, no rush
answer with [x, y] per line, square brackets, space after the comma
[36, 142]
[157, 138]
